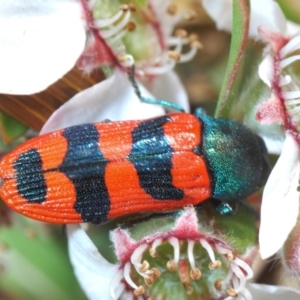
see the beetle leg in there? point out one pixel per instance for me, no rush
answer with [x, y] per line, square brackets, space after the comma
[224, 208]
[199, 112]
[131, 76]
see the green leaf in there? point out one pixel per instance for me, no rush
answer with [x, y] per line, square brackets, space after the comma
[35, 262]
[240, 28]
[10, 128]
[239, 229]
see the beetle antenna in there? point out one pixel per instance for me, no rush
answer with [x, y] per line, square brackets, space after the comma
[131, 76]
[165, 103]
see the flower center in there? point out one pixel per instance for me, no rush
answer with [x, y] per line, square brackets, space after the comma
[171, 266]
[104, 36]
[285, 84]
[167, 61]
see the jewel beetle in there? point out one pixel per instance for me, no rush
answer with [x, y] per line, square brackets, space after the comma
[100, 171]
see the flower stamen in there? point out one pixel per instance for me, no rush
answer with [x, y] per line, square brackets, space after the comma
[139, 291]
[219, 285]
[181, 33]
[292, 102]
[154, 245]
[190, 15]
[215, 265]
[294, 111]
[190, 253]
[291, 46]
[272, 72]
[174, 44]
[229, 255]
[171, 265]
[241, 282]
[100, 24]
[284, 80]
[127, 270]
[191, 54]
[156, 273]
[172, 9]
[115, 284]
[175, 41]
[149, 280]
[291, 94]
[176, 246]
[209, 249]
[232, 293]
[288, 61]
[174, 55]
[242, 264]
[144, 266]
[195, 273]
[116, 28]
[136, 258]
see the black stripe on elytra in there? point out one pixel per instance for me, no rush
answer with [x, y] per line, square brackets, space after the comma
[151, 155]
[31, 183]
[84, 165]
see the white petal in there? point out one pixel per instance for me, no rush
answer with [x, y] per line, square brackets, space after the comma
[280, 202]
[93, 272]
[220, 12]
[267, 292]
[266, 14]
[266, 70]
[169, 87]
[291, 46]
[40, 41]
[273, 143]
[292, 28]
[113, 99]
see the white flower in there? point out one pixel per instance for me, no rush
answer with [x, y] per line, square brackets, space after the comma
[266, 14]
[154, 57]
[92, 270]
[267, 292]
[40, 41]
[280, 203]
[103, 280]
[112, 99]
[90, 266]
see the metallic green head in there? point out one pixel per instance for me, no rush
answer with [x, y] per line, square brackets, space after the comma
[236, 157]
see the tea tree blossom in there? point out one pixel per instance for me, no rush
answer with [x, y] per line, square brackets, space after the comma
[281, 195]
[186, 258]
[29, 62]
[221, 13]
[179, 255]
[110, 40]
[280, 203]
[98, 34]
